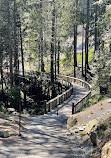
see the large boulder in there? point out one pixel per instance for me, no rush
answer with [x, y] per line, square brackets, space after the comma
[90, 126]
[11, 110]
[72, 121]
[106, 150]
[90, 129]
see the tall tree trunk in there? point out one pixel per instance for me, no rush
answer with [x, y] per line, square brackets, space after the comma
[87, 41]
[52, 49]
[75, 37]
[83, 51]
[75, 51]
[23, 70]
[55, 47]
[1, 72]
[39, 57]
[16, 69]
[58, 56]
[52, 44]
[76, 43]
[55, 58]
[41, 38]
[95, 28]
[9, 43]
[22, 53]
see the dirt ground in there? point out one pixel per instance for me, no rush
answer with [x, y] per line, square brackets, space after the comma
[99, 111]
[11, 123]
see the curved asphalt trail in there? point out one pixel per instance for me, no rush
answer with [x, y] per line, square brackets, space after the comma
[42, 137]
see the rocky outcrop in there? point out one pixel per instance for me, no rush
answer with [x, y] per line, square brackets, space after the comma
[72, 121]
[90, 125]
[99, 136]
[106, 150]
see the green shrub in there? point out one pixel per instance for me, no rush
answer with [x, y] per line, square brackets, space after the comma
[13, 97]
[2, 108]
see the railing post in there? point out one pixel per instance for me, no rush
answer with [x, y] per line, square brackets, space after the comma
[62, 98]
[75, 109]
[72, 108]
[45, 103]
[49, 108]
[57, 112]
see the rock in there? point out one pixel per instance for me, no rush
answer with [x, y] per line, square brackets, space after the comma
[72, 131]
[11, 110]
[72, 121]
[15, 113]
[99, 143]
[106, 150]
[81, 129]
[109, 101]
[76, 130]
[84, 126]
[90, 125]
[68, 133]
[4, 134]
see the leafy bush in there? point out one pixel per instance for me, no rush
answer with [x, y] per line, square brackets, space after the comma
[2, 108]
[13, 97]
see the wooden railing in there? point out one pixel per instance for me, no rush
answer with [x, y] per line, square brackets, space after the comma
[69, 81]
[78, 105]
[52, 104]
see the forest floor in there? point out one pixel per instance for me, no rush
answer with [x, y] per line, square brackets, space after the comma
[47, 135]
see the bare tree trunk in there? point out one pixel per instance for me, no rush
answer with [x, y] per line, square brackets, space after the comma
[23, 71]
[95, 28]
[39, 57]
[110, 48]
[52, 44]
[52, 49]
[41, 39]
[55, 57]
[22, 53]
[87, 41]
[9, 43]
[58, 57]
[16, 69]
[75, 37]
[55, 48]
[75, 50]
[1, 71]
[83, 51]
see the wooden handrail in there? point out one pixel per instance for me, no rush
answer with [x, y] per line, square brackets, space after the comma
[79, 104]
[53, 103]
[64, 96]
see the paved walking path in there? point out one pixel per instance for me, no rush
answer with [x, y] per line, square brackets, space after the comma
[42, 137]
